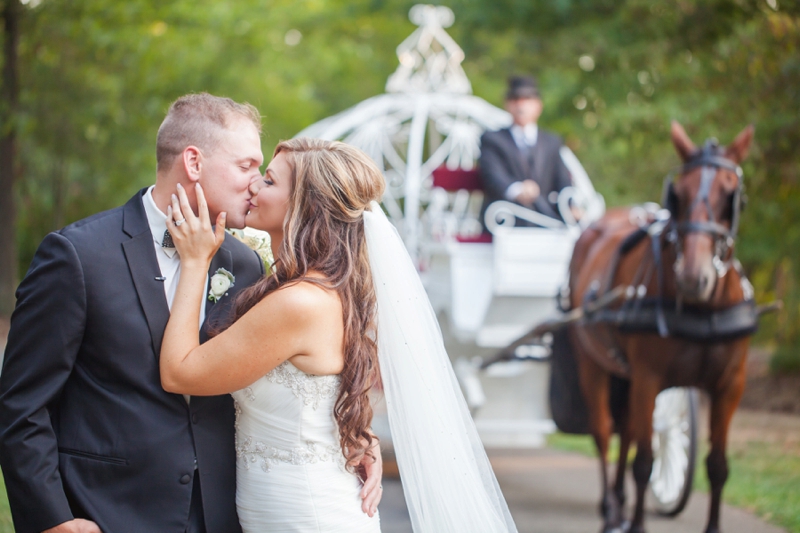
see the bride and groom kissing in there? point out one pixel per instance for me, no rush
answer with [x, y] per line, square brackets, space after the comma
[136, 396]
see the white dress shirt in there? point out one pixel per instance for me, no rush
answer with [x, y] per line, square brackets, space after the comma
[525, 138]
[169, 261]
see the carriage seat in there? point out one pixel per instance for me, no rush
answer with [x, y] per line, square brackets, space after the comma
[456, 199]
[453, 180]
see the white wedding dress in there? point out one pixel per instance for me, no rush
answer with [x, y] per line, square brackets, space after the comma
[290, 470]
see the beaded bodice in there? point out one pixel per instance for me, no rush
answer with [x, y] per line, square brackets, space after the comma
[287, 417]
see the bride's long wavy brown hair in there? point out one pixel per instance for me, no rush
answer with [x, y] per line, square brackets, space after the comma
[332, 185]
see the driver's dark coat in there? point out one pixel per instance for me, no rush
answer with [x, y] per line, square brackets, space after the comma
[503, 163]
[86, 429]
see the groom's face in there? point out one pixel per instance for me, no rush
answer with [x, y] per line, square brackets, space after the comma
[228, 170]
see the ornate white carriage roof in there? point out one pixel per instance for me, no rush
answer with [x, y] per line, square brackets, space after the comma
[427, 118]
[430, 60]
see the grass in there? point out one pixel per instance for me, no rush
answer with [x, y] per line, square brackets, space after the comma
[786, 359]
[764, 476]
[764, 479]
[5, 514]
[582, 444]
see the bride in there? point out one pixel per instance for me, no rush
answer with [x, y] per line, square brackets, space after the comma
[342, 311]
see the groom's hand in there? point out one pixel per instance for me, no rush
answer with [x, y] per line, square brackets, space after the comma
[372, 490]
[79, 525]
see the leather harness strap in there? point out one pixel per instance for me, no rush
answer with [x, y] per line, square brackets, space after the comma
[695, 324]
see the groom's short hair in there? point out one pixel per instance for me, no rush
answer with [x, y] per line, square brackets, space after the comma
[197, 120]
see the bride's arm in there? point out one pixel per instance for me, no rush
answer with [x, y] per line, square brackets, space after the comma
[274, 330]
[293, 321]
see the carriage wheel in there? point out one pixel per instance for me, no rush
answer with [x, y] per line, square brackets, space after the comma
[674, 449]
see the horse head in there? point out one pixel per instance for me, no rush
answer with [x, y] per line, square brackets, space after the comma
[705, 202]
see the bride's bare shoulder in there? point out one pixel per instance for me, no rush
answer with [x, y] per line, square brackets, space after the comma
[304, 300]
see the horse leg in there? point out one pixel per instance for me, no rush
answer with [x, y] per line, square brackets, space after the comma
[642, 403]
[723, 405]
[595, 386]
[622, 461]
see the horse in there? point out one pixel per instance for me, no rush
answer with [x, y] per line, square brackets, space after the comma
[680, 260]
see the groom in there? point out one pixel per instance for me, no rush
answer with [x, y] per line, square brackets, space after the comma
[89, 440]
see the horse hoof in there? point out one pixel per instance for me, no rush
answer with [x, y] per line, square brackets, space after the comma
[613, 529]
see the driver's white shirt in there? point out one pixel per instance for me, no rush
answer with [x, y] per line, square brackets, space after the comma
[524, 138]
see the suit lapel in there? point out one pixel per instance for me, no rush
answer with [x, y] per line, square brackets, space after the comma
[539, 160]
[223, 259]
[143, 265]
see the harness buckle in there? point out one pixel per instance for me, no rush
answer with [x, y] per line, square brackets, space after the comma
[720, 265]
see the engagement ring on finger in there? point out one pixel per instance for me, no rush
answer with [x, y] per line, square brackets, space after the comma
[179, 222]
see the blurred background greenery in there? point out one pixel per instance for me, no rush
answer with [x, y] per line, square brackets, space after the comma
[96, 77]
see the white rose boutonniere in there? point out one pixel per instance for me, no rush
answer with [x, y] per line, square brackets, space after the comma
[221, 281]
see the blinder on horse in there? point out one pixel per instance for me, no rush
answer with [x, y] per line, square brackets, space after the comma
[710, 158]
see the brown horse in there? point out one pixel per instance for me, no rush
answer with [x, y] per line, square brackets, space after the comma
[685, 262]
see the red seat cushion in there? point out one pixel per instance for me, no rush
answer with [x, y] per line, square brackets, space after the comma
[483, 238]
[454, 180]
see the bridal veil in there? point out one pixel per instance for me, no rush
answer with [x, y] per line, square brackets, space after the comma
[448, 482]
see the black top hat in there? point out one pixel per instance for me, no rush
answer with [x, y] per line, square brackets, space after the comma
[522, 87]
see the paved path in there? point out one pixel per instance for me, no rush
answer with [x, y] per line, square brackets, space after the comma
[557, 492]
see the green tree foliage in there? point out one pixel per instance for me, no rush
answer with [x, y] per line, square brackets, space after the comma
[8, 144]
[615, 73]
[96, 77]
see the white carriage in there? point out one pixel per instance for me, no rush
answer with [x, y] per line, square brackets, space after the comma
[424, 135]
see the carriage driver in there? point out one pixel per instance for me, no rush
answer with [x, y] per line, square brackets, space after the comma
[522, 163]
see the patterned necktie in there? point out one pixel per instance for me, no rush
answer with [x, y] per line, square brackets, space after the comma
[166, 242]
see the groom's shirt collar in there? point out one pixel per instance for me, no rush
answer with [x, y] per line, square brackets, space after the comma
[157, 221]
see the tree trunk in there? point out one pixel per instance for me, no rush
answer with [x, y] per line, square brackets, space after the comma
[8, 111]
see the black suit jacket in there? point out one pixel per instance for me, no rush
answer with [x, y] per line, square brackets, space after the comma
[86, 431]
[503, 163]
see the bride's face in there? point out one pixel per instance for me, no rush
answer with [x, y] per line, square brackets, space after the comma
[270, 199]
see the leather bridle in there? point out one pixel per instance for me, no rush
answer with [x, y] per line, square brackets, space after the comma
[710, 160]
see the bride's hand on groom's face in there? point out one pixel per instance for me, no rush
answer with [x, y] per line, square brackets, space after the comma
[194, 238]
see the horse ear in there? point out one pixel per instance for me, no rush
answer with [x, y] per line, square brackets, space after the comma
[683, 144]
[737, 151]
